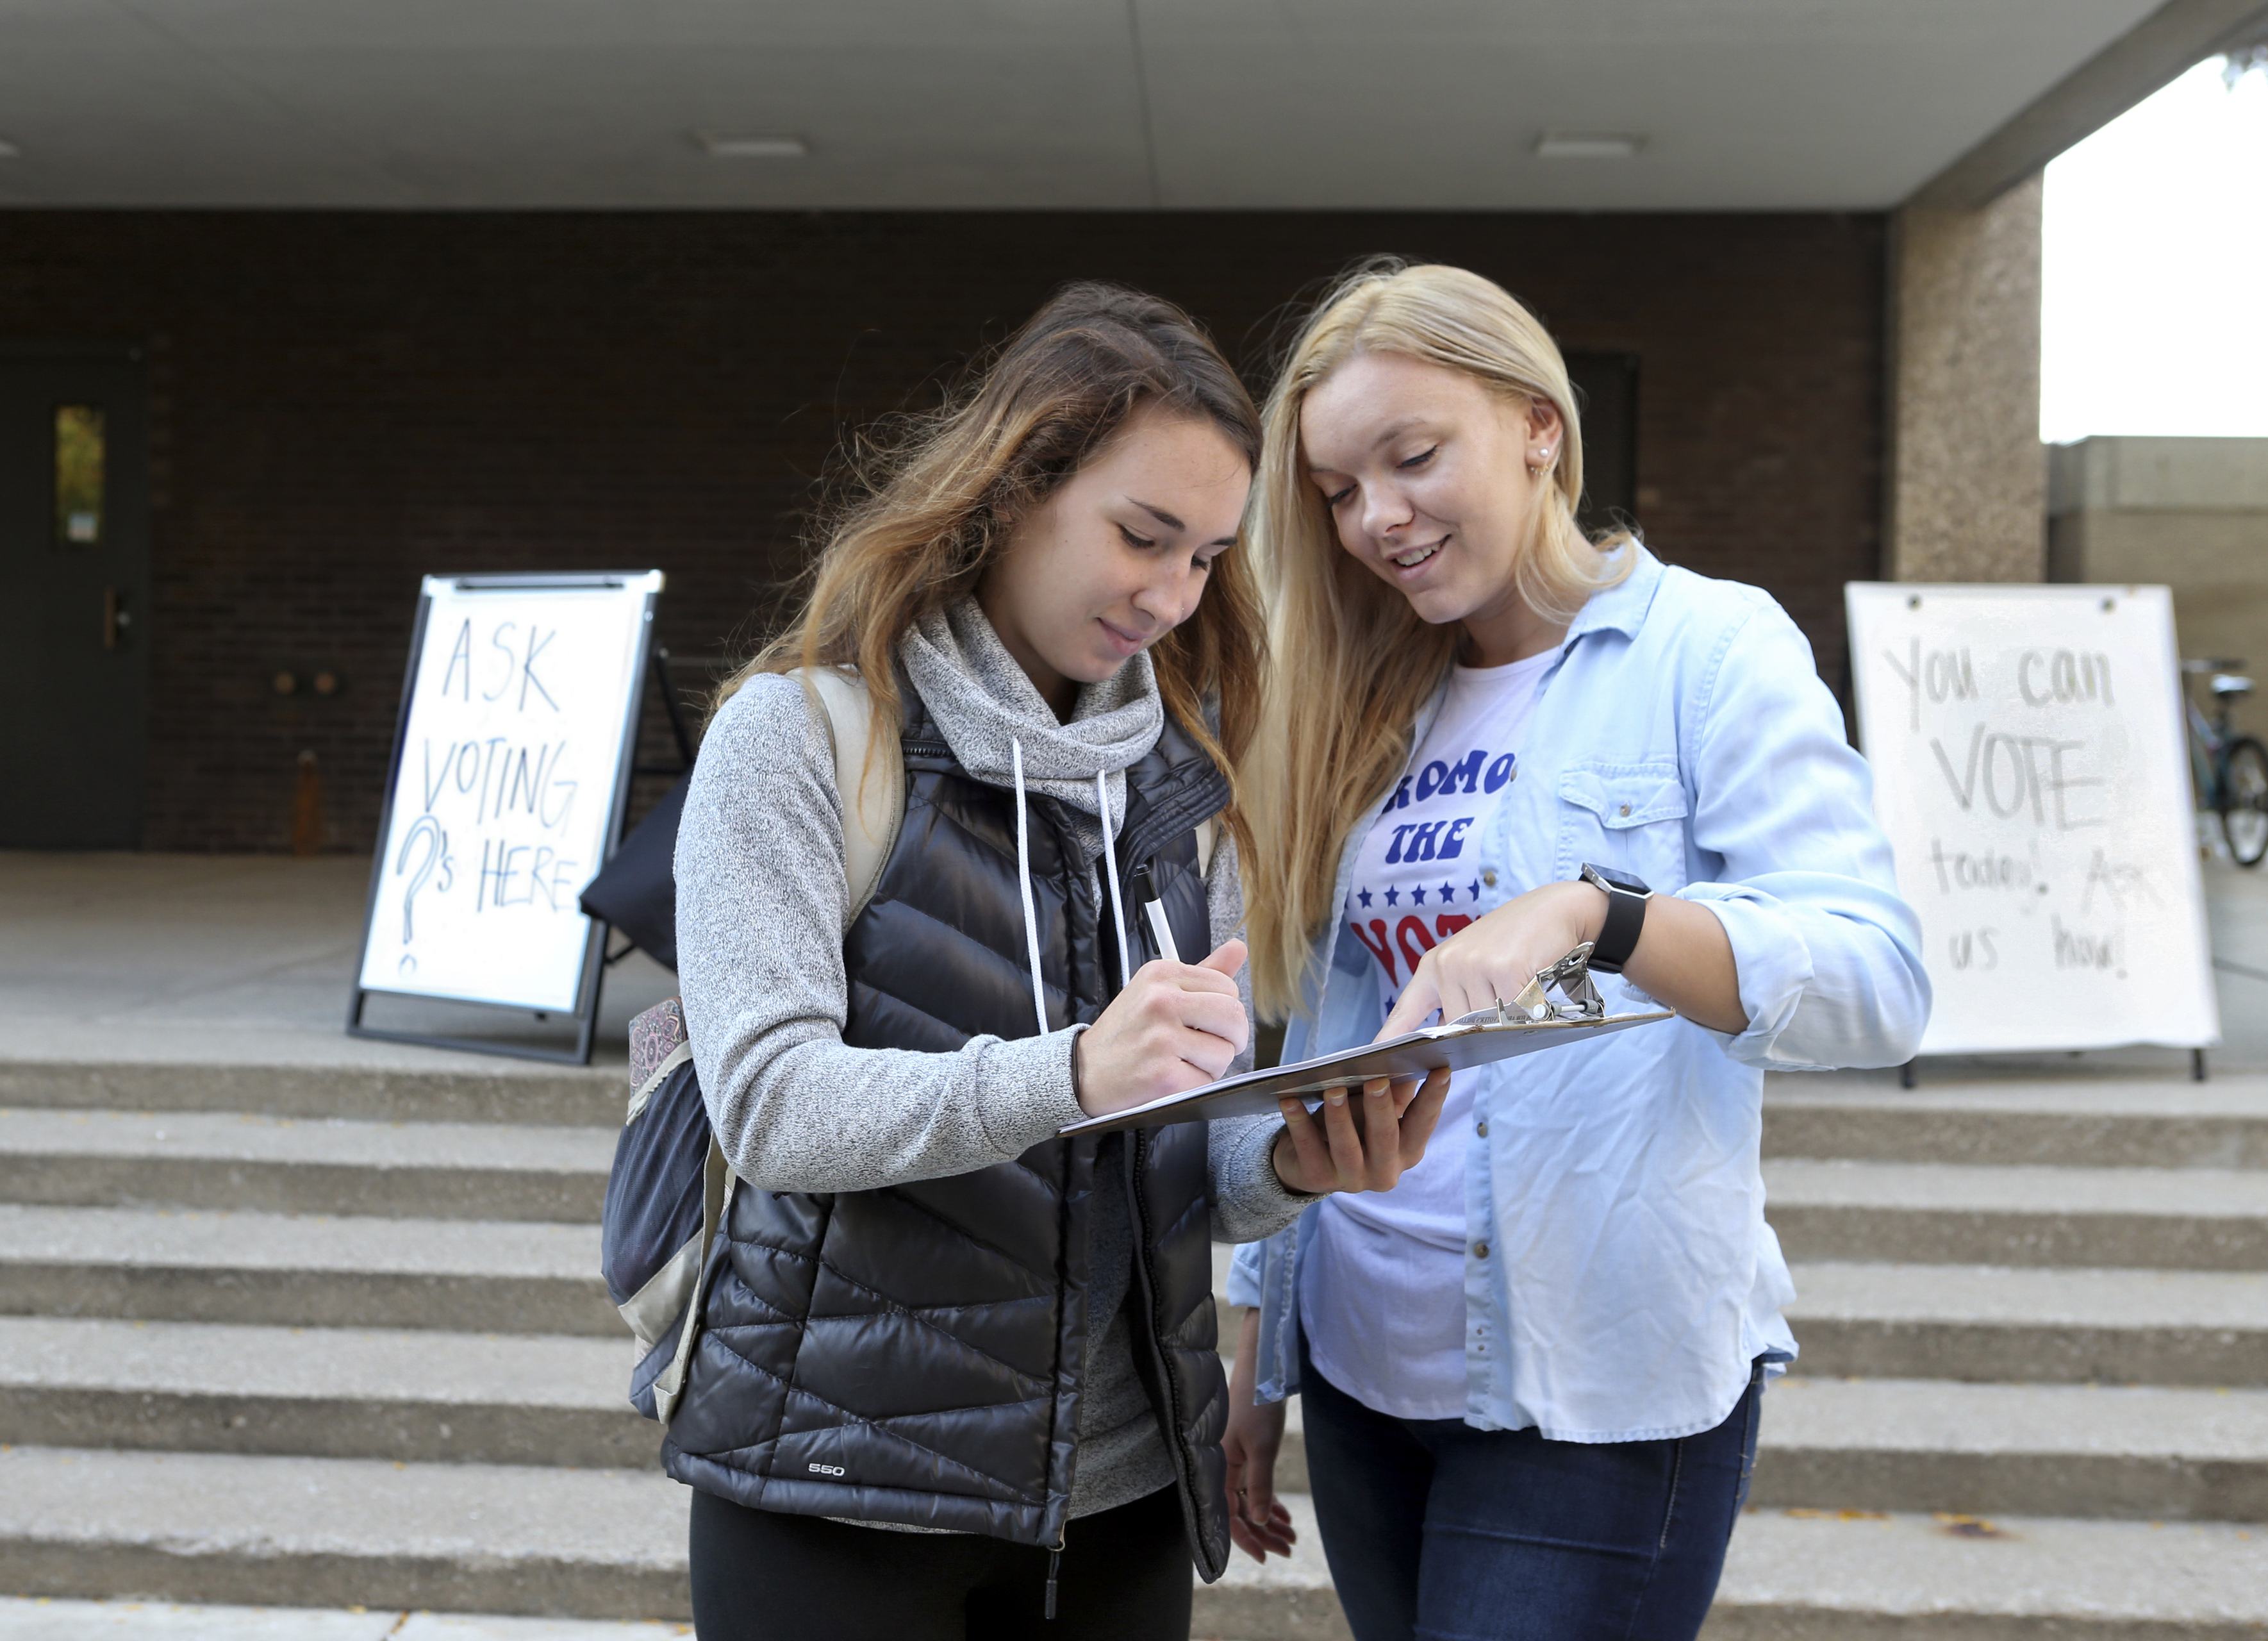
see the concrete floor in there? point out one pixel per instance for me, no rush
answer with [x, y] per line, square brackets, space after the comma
[246, 959]
[234, 959]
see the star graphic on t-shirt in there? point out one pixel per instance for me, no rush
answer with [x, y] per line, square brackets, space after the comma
[1417, 896]
[1393, 896]
[1473, 889]
[1447, 893]
[1363, 895]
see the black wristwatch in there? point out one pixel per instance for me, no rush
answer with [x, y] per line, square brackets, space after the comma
[1626, 898]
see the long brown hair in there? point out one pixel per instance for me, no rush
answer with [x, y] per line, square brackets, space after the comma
[1352, 664]
[934, 499]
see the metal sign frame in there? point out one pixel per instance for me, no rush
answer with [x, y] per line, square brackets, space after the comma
[586, 1012]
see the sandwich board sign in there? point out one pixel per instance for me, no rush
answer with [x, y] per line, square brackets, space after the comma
[511, 766]
[2030, 768]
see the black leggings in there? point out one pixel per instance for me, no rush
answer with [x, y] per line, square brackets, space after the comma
[761, 1576]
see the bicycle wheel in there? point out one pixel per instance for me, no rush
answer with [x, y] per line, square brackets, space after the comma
[2244, 800]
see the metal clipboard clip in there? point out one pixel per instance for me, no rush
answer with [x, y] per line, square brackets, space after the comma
[1569, 977]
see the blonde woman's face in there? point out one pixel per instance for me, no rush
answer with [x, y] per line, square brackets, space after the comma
[1424, 473]
[1119, 555]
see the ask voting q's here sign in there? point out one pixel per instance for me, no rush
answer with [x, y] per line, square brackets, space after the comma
[511, 752]
[2030, 769]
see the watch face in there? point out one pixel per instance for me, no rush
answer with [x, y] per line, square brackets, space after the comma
[1620, 880]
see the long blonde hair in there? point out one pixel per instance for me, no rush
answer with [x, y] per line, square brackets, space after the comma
[933, 499]
[1352, 664]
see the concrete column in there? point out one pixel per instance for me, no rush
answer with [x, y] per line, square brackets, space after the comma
[1965, 490]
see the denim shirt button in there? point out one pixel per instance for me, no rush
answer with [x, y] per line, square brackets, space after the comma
[1488, 877]
[1480, 1250]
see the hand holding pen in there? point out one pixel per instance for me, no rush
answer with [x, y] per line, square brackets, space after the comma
[1177, 1026]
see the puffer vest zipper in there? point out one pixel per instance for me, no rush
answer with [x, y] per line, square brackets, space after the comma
[915, 1354]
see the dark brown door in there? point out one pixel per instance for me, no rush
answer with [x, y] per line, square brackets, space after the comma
[74, 597]
[1606, 398]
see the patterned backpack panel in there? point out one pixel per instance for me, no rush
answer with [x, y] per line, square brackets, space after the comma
[664, 1195]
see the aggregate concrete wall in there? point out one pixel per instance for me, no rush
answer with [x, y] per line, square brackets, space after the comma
[344, 402]
[1968, 480]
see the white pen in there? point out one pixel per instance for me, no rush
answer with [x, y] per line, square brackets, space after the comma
[1145, 896]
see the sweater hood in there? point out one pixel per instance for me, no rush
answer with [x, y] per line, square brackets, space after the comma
[987, 708]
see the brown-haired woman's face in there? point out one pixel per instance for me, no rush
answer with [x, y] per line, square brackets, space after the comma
[1424, 473]
[1118, 555]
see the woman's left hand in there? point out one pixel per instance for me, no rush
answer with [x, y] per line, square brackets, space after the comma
[1496, 956]
[1358, 1145]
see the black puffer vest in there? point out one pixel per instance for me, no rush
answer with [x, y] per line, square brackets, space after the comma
[915, 1354]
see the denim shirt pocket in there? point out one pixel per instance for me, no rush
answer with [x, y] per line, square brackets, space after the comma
[1629, 815]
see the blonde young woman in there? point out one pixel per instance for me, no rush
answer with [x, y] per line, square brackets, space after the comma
[1530, 1374]
[924, 1311]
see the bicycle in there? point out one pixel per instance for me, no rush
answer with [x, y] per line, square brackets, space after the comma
[2231, 769]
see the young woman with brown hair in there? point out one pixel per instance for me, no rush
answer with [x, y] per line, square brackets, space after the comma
[925, 1312]
[1530, 1374]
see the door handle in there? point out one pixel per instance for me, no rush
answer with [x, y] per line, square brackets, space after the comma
[116, 618]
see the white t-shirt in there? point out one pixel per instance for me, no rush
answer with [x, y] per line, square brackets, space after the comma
[1382, 1280]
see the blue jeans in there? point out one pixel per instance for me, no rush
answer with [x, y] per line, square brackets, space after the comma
[1436, 1530]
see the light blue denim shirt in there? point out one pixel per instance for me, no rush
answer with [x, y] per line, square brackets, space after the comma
[1620, 1278]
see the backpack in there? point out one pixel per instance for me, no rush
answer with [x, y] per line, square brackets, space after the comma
[669, 1186]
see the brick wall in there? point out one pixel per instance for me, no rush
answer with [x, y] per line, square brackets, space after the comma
[343, 403]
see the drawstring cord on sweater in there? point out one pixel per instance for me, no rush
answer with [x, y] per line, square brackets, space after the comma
[1110, 864]
[1024, 881]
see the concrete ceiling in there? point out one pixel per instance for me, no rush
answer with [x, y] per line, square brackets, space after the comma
[1129, 104]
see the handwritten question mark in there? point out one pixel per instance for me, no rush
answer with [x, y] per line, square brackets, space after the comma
[437, 843]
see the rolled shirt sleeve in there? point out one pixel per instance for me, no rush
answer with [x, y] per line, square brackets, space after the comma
[1828, 955]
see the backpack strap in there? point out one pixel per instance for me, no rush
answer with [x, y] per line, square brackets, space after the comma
[873, 790]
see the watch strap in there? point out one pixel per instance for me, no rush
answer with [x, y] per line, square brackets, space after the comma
[1618, 936]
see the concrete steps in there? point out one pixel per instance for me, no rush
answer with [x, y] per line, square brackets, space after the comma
[2137, 1453]
[1988, 1323]
[2114, 1452]
[200, 1265]
[1863, 1576]
[1931, 1213]
[2091, 1123]
[295, 1165]
[44, 1618]
[1841, 1578]
[337, 1533]
[502, 1090]
[299, 1532]
[337, 1339]
[2059, 1326]
[330, 1393]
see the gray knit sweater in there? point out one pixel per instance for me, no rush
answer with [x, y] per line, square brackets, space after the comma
[760, 959]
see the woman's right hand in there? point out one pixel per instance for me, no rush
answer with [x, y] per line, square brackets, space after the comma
[1258, 1523]
[1177, 1026]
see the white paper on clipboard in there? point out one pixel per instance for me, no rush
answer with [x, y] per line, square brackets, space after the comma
[1458, 1046]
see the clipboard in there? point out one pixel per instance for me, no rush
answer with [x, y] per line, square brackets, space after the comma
[1533, 1021]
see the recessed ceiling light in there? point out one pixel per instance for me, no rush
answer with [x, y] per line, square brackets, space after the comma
[1588, 144]
[756, 147]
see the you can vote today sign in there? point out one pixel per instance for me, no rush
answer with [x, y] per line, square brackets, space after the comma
[512, 764]
[2030, 769]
